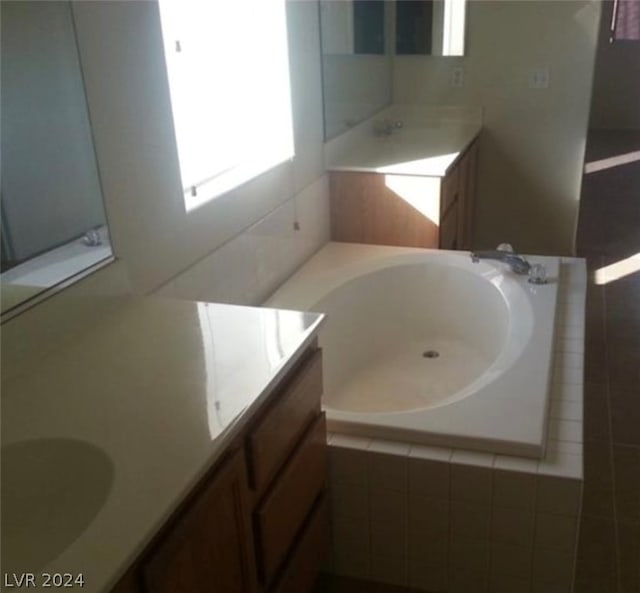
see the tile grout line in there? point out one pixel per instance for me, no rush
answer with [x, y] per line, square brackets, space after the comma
[616, 546]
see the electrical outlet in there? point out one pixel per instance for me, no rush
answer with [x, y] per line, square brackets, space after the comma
[539, 78]
[457, 76]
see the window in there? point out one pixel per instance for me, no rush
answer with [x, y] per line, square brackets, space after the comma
[625, 21]
[228, 70]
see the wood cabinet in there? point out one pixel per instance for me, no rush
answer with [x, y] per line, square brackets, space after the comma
[210, 543]
[406, 210]
[259, 522]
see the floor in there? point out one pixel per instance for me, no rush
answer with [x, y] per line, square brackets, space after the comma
[608, 233]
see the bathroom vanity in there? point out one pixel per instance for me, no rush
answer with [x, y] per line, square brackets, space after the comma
[412, 188]
[208, 420]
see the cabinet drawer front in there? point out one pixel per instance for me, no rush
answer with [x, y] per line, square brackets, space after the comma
[283, 511]
[281, 427]
[303, 566]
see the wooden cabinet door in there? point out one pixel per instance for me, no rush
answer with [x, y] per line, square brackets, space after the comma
[466, 199]
[209, 548]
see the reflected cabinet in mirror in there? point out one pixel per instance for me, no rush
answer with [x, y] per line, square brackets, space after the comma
[356, 61]
[53, 219]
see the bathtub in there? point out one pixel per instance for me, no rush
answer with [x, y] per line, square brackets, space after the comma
[425, 346]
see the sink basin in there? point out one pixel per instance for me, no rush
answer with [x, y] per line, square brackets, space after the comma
[51, 491]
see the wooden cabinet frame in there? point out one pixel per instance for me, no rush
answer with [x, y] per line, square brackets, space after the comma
[433, 212]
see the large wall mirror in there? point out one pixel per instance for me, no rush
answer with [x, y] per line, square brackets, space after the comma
[53, 224]
[359, 39]
[356, 61]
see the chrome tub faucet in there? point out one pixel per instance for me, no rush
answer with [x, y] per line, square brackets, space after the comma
[517, 263]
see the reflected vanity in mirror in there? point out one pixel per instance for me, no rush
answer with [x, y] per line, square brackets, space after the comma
[358, 39]
[356, 61]
[53, 220]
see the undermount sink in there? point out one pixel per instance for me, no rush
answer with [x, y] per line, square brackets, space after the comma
[52, 488]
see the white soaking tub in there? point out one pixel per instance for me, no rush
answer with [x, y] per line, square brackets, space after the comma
[425, 346]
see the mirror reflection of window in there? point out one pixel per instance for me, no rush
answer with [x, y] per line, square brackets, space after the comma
[430, 27]
[53, 220]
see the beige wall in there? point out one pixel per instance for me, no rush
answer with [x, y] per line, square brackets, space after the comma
[121, 52]
[532, 147]
[616, 86]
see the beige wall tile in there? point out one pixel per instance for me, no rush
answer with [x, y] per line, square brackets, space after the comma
[430, 478]
[471, 484]
[514, 489]
[556, 532]
[387, 471]
[510, 560]
[512, 526]
[389, 569]
[470, 521]
[558, 495]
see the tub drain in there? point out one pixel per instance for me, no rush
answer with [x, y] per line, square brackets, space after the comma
[431, 354]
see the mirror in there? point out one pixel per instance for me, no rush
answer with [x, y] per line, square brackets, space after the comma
[356, 61]
[430, 27]
[358, 38]
[53, 224]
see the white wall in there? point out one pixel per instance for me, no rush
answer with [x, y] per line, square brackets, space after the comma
[532, 146]
[249, 267]
[121, 53]
[50, 186]
[616, 86]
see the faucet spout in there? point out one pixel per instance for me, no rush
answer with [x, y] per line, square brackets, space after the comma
[517, 263]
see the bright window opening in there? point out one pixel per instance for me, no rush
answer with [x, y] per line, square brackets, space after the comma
[228, 70]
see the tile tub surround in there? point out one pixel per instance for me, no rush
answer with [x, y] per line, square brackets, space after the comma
[444, 520]
[448, 520]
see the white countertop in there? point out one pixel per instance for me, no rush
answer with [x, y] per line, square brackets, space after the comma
[427, 150]
[132, 412]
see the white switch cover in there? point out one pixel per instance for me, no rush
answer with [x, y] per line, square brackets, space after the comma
[457, 76]
[539, 78]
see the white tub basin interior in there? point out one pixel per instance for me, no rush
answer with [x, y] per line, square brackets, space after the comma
[391, 309]
[433, 345]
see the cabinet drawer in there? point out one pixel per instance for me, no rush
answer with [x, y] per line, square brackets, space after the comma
[275, 436]
[303, 566]
[284, 509]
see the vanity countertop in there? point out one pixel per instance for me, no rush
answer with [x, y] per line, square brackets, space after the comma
[427, 150]
[130, 413]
